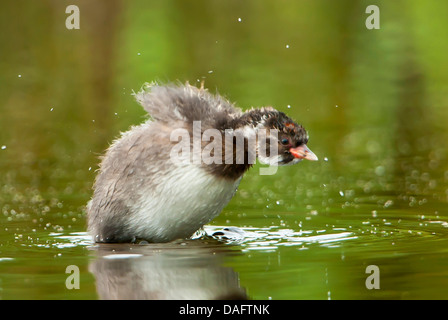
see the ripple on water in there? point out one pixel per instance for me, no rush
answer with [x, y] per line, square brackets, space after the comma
[250, 238]
[71, 240]
[271, 238]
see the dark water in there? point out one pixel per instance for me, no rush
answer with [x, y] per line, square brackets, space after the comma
[373, 101]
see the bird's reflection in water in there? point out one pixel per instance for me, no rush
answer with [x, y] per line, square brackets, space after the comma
[189, 269]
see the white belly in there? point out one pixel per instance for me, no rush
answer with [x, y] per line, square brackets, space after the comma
[186, 199]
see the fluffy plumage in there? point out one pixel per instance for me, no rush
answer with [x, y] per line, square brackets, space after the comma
[140, 193]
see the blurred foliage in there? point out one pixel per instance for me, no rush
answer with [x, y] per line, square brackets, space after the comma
[74, 88]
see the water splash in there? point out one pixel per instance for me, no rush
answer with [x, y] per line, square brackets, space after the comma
[271, 238]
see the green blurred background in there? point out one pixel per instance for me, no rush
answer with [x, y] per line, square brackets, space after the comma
[374, 103]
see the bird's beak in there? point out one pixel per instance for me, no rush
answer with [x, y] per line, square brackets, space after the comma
[303, 152]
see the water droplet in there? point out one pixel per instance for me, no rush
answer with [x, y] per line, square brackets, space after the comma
[287, 46]
[3, 147]
[20, 76]
[211, 71]
[341, 193]
[380, 170]
[289, 106]
[239, 19]
[325, 159]
[337, 106]
[51, 109]
[138, 53]
[388, 203]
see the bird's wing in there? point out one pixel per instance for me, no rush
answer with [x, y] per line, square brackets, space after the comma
[185, 103]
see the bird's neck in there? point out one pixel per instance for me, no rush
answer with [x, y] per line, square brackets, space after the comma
[243, 138]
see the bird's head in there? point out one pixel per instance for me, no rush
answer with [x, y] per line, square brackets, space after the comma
[285, 142]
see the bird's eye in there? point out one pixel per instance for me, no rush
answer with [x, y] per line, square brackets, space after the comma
[285, 141]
